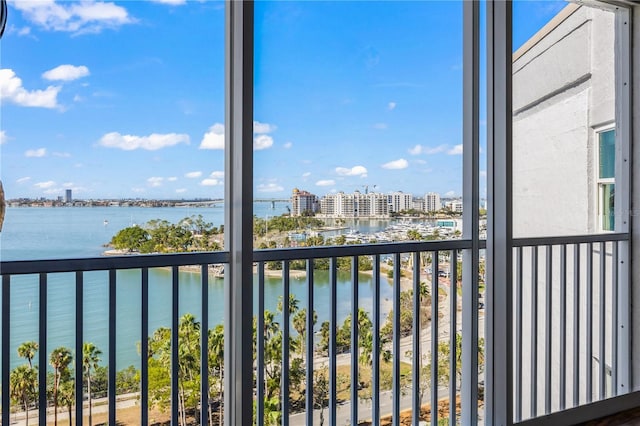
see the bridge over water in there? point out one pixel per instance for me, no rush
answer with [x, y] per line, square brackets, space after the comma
[217, 202]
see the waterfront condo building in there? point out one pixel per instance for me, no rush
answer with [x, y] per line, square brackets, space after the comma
[400, 201]
[357, 204]
[432, 202]
[303, 202]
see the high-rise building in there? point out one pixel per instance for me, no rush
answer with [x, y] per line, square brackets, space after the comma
[432, 202]
[67, 196]
[399, 201]
[303, 202]
[357, 204]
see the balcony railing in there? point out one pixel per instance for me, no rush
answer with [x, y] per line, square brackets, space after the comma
[566, 317]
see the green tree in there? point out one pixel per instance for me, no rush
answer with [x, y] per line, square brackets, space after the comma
[27, 350]
[23, 382]
[67, 396]
[133, 238]
[90, 359]
[59, 359]
[216, 366]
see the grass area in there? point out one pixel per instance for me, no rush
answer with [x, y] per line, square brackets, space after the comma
[365, 378]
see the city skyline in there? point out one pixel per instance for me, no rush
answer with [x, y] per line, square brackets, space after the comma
[125, 103]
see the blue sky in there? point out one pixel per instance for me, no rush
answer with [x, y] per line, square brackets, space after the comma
[126, 99]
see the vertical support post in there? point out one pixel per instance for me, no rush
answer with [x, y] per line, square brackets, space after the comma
[6, 344]
[471, 207]
[42, 351]
[333, 320]
[175, 332]
[309, 346]
[144, 348]
[354, 340]
[375, 362]
[238, 356]
[79, 376]
[204, 344]
[286, 346]
[498, 320]
[112, 347]
[624, 191]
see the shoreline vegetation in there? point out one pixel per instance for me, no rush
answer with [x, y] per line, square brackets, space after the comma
[194, 234]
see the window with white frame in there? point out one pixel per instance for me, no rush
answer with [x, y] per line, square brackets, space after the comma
[606, 157]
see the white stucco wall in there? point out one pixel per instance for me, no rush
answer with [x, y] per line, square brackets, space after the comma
[563, 89]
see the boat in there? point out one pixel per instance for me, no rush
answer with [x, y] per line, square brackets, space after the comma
[105, 222]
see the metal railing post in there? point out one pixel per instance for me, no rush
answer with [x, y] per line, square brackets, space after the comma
[498, 319]
[238, 354]
[471, 206]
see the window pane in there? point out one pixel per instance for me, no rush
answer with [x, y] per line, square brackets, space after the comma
[607, 203]
[607, 154]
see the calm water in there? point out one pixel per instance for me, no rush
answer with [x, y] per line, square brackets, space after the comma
[41, 233]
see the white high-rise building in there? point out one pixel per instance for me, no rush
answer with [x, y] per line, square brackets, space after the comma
[356, 204]
[399, 201]
[432, 202]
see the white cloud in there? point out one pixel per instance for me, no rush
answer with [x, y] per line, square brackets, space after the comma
[152, 142]
[306, 174]
[456, 150]
[391, 106]
[172, 179]
[45, 185]
[23, 179]
[211, 182]
[66, 73]
[396, 164]
[421, 149]
[326, 182]
[76, 17]
[354, 171]
[155, 181]
[218, 174]
[261, 142]
[380, 126]
[24, 31]
[214, 138]
[193, 175]
[3, 137]
[78, 98]
[181, 190]
[171, 2]
[260, 128]
[68, 184]
[269, 187]
[450, 194]
[61, 154]
[40, 152]
[287, 145]
[11, 90]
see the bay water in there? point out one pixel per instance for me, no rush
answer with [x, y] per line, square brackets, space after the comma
[77, 232]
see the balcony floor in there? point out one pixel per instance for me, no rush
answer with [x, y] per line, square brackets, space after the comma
[625, 418]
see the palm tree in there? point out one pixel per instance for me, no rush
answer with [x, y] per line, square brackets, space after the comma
[60, 359]
[216, 362]
[67, 397]
[28, 351]
[90, 359]
[23, 381]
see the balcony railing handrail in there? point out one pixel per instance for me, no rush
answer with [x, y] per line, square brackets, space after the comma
[570, 239]
[104, 263]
